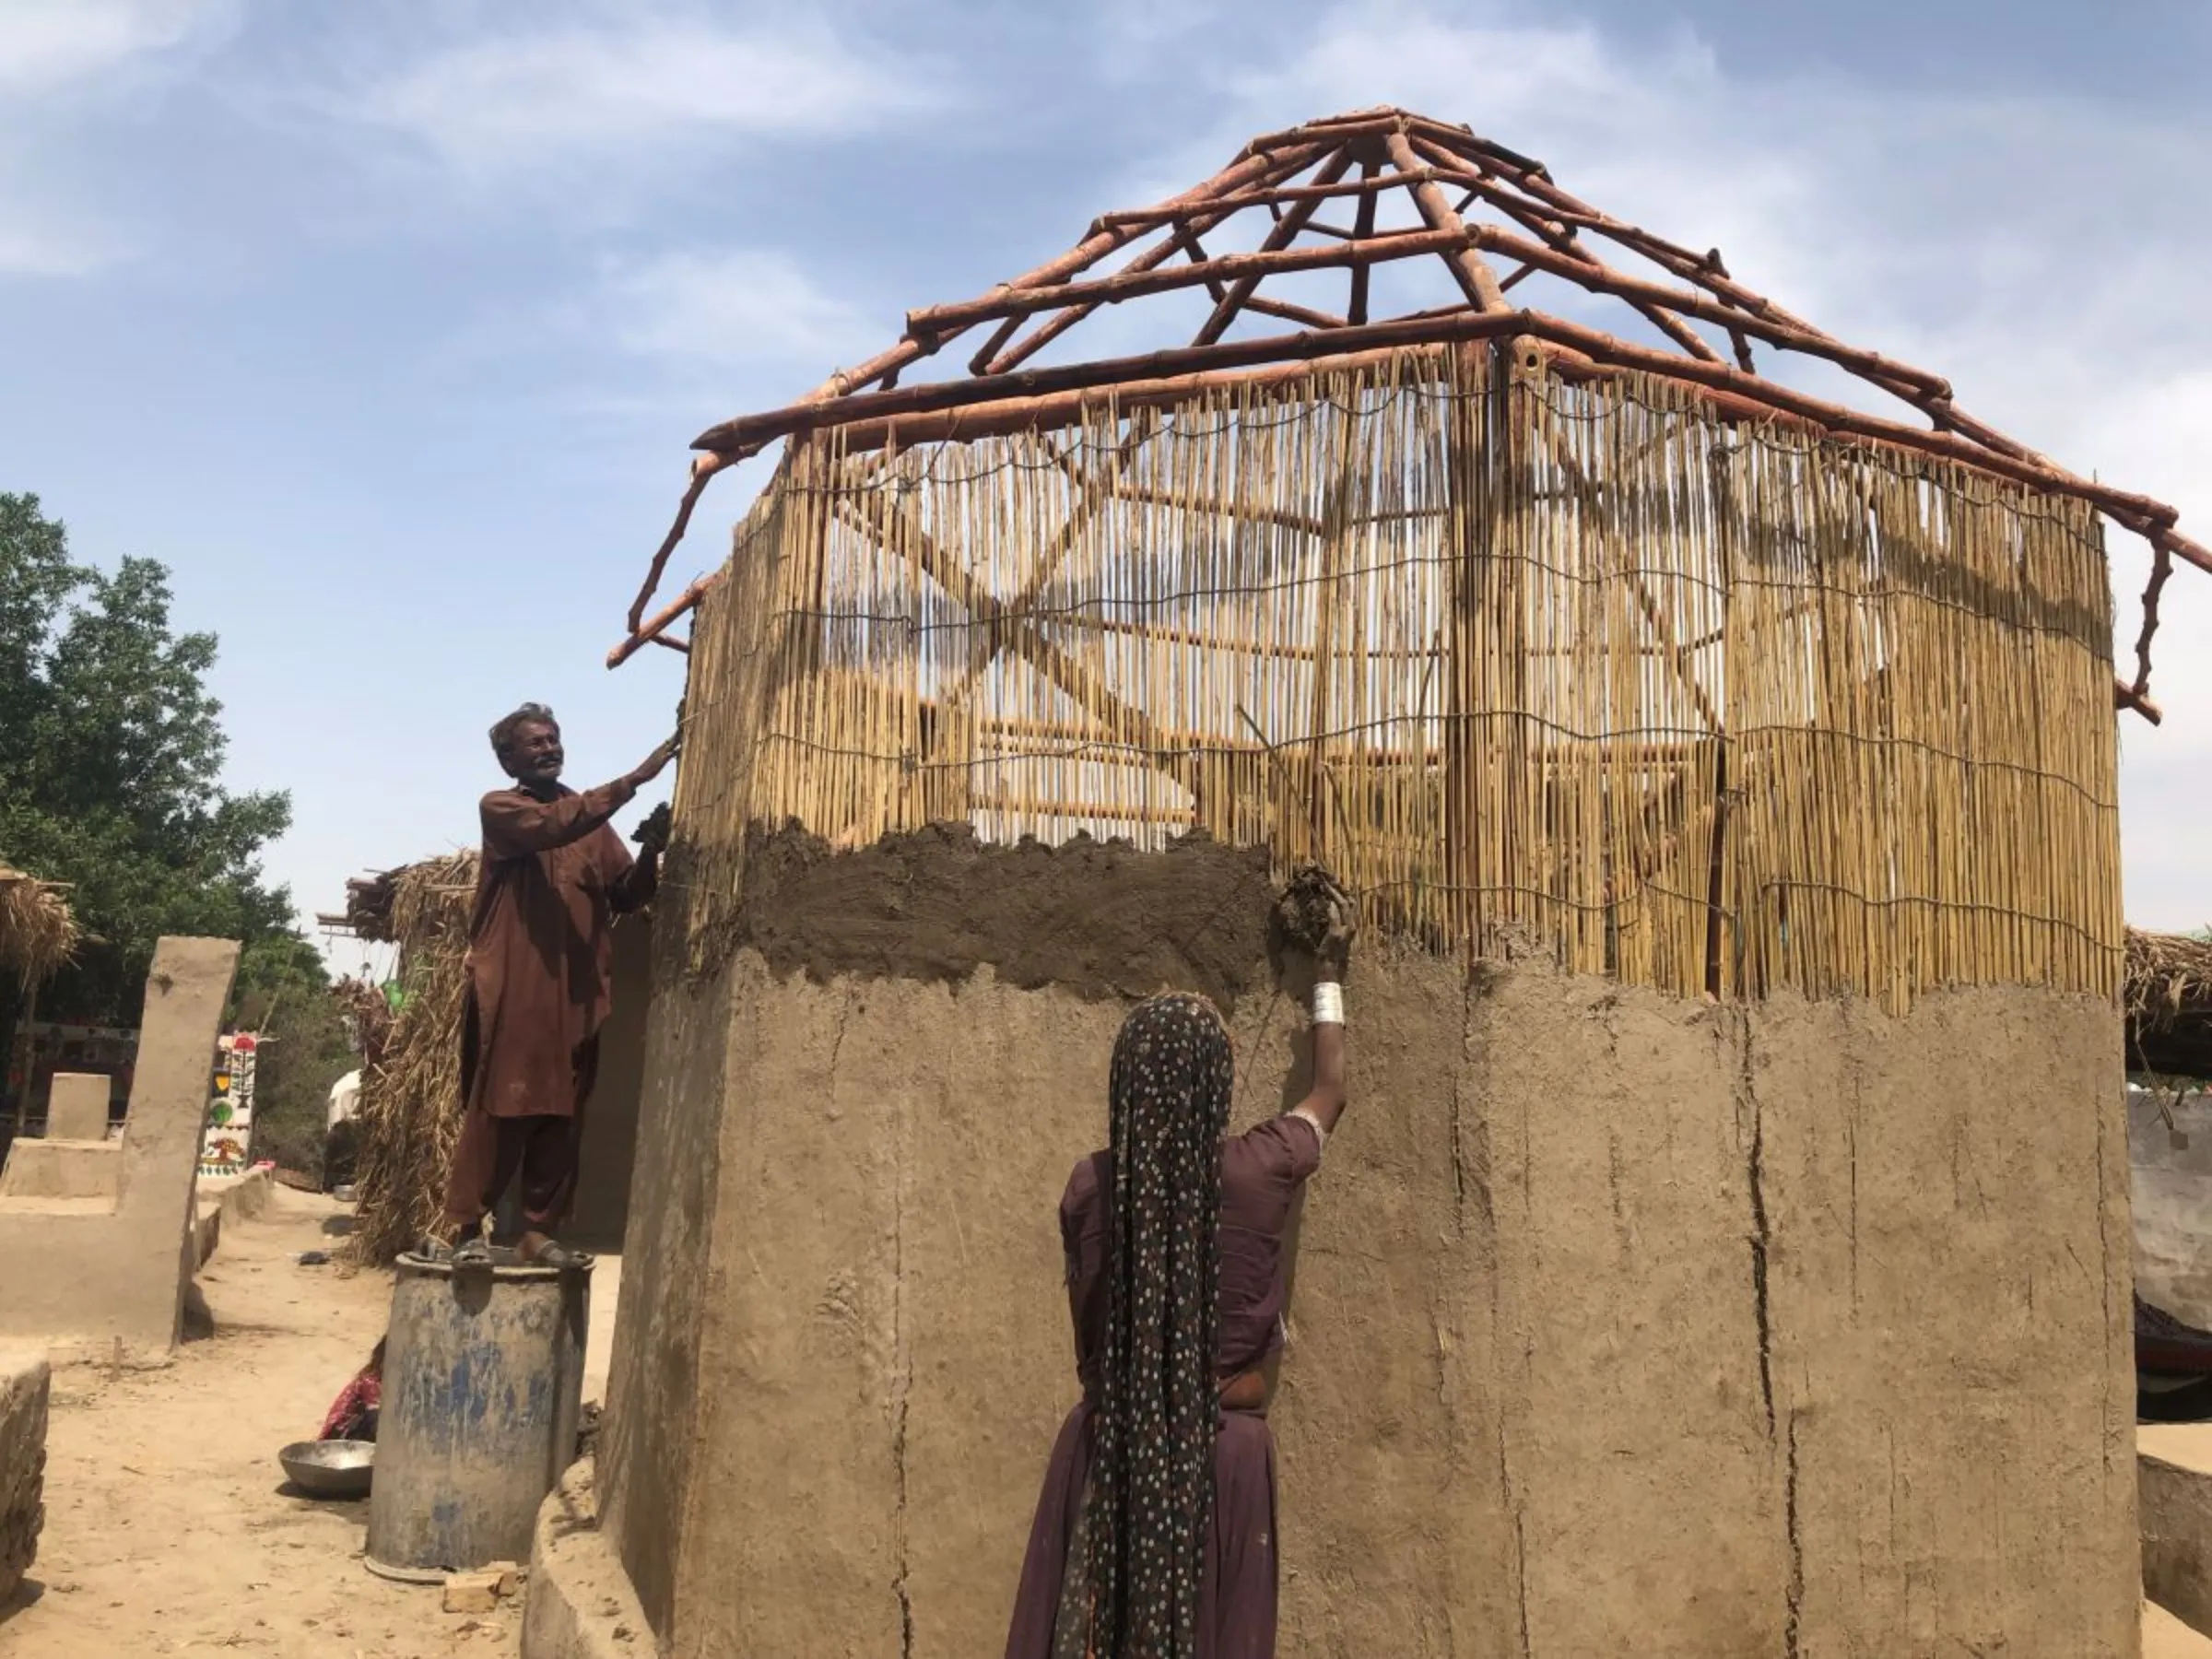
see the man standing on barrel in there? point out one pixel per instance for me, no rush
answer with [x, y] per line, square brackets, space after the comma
[552, 877]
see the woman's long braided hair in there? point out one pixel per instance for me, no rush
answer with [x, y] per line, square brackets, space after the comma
[1151, 1499]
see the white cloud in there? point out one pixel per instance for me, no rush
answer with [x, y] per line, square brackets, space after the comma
[541, 100]
[48, 45]
[37, 240]
[61, 61]
[1128, 38]
[735, 307]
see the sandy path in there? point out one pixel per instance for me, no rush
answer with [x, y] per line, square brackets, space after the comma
[2166, 1637]
[166, 1531]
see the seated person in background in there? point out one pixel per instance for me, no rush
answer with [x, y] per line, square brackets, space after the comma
[353, 1414]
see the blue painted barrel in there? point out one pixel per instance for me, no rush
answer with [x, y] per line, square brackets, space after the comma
[482, 1390]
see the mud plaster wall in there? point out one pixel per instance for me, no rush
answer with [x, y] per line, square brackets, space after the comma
[128, 1261]
[1621, 1324]
[606, 1159]
[654, 1379]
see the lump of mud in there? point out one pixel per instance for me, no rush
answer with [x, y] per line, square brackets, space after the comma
[1098, 918]
[1313, 907]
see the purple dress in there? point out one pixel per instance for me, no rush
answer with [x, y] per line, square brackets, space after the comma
[1262, 1171]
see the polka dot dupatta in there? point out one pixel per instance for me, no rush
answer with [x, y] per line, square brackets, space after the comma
[1149, 1509]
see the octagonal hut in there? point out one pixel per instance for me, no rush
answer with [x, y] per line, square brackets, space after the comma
[1728, 1249]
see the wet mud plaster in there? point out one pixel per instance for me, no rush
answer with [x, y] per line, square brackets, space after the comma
[654, 1382]
[1097, 919]
[1620, 1323]
[1952, 1344]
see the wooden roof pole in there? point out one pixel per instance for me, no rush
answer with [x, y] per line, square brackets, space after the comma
[1476, 280]
[1244, 269]
[1201, 218]
[1363, 227]
[1585, 265]
[1255, 163]
[1426, 154]
[1277, 244]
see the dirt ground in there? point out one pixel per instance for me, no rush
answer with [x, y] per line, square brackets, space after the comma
[2166, 1637]
[169, 1527]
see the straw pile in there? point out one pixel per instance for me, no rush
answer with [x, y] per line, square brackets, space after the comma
[410, 1107]
[2169, 980]
[1711, 705]
[2169, 1005]
[38, 934]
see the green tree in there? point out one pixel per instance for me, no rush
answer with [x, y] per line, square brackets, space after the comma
[110, 750]
[283, 993]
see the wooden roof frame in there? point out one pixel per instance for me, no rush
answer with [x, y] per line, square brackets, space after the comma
[1533, 227]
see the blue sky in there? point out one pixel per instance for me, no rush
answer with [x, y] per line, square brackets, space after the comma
[386, 324]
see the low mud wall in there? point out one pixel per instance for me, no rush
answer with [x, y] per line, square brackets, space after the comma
[608, 1158]
[1620, 1323]
[25, 1384]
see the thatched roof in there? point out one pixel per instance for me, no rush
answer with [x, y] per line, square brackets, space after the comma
[38, 934]
[1385, 200]
[2169, 998]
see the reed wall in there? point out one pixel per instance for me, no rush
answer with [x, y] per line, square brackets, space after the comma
[1583, 667]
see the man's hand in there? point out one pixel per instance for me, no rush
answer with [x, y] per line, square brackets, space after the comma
[653, 765]
[653, 834]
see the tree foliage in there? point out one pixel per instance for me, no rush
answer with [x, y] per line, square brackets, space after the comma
[111, 752]
[283, 993]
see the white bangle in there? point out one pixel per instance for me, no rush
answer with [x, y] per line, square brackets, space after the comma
[1328, 1003]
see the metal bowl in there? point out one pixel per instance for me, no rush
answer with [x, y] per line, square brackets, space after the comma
[331, 1468]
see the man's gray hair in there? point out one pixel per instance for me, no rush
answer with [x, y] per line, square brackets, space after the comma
[503, 733]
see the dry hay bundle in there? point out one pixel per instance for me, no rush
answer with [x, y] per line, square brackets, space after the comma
[38, 934]
[2169, 980]
[410, 1111]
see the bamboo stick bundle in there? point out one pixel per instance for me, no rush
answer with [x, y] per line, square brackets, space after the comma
[411, 1101]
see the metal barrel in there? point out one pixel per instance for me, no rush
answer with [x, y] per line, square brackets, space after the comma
[483, 1387]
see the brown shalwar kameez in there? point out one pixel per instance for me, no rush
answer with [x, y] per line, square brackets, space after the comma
[1262, 1171]
[552, 877]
